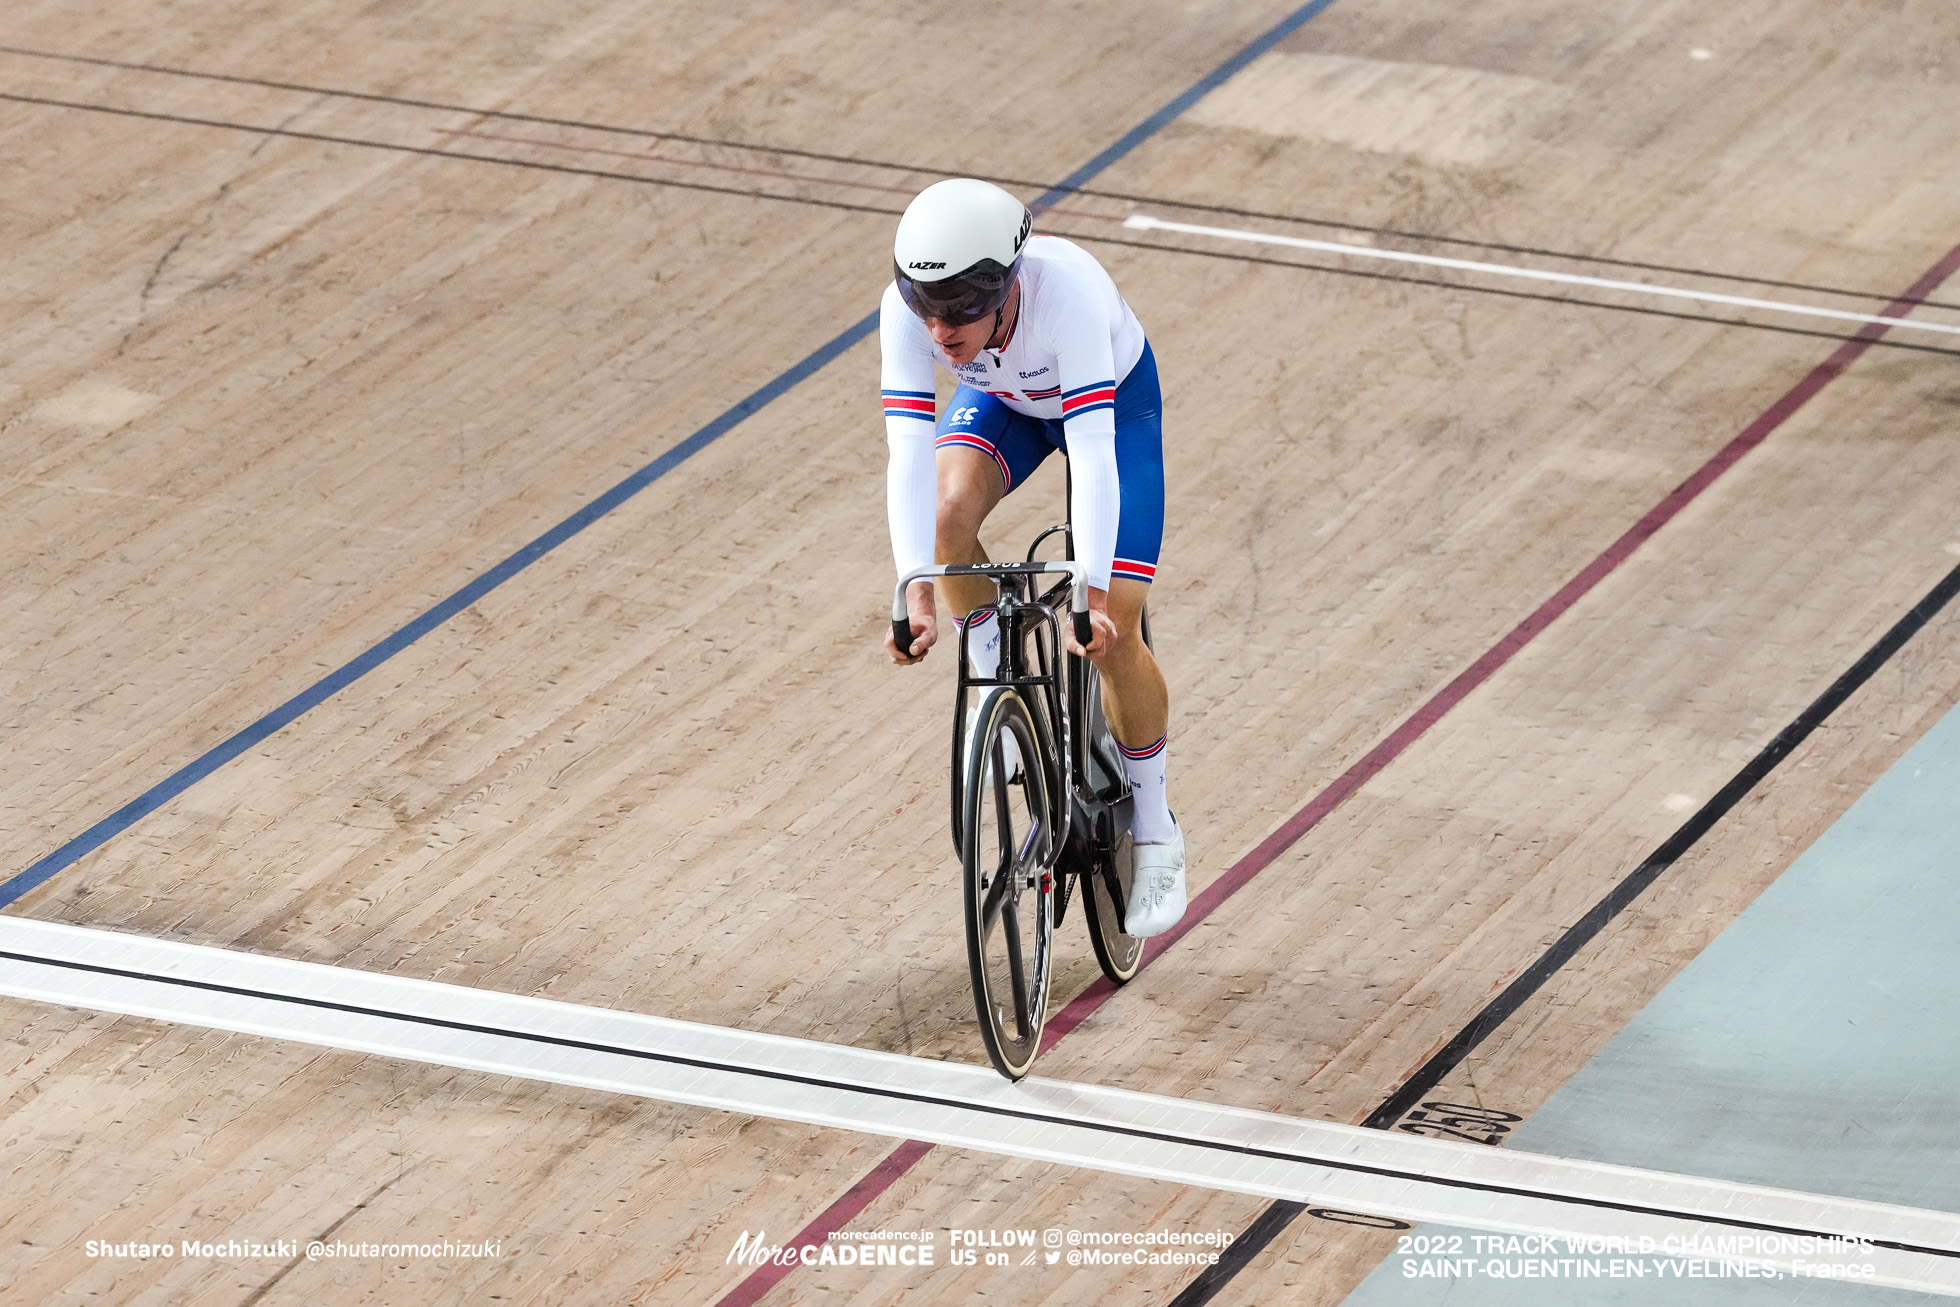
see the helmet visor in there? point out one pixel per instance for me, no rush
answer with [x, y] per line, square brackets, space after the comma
[962, 299]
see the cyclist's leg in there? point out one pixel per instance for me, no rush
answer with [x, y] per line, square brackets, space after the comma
[983, 450]
[970, 484]
[1135, 699]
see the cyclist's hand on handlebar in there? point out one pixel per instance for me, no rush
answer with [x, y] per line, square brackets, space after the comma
[924, 634]
[924, 615]
[1102, 628]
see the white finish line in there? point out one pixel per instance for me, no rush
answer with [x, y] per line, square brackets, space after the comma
[1168, 1139]
[1143, 222]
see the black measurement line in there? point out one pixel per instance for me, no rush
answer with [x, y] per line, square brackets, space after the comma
[941, 170]
[328, 138]
[1541, 297]
[505, 114]
[1501, 248]
[1279, 1215]
[431, 151]
[893, 1094]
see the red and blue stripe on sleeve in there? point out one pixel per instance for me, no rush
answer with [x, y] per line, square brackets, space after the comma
[1089, 399]
[909, 404]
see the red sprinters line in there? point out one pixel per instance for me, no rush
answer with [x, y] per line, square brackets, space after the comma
[1240, 873]
[1419, 722]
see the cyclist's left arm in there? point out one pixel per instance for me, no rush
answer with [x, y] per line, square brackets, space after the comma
[1086, 368]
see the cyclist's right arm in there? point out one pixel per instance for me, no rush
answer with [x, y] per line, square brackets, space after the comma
[911, 480]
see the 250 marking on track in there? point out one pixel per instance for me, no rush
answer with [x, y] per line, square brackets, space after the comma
[1477, 1125]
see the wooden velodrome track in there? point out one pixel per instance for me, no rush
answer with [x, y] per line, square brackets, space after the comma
[284, 368]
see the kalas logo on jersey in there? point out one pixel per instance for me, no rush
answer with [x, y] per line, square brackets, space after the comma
[1037, 372]
[924, 267]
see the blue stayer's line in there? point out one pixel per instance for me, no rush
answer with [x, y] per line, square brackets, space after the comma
[1156, 122]
[345, 675]
[335, 681]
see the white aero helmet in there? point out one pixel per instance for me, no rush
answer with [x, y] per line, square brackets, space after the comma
[958, 247]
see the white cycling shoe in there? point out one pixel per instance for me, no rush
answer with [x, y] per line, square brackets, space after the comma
[1157, 899]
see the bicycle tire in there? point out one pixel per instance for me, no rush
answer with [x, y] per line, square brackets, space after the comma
[1007, 854]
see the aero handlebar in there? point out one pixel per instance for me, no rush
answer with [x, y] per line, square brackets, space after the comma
[1078, 604]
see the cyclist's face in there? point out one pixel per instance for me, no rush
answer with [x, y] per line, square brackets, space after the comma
[962, 344]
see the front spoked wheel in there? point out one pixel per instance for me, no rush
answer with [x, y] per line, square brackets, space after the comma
[1108, 889]
[1007, 855]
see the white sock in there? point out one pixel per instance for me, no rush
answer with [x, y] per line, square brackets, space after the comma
[983, 643]
[1150, 822]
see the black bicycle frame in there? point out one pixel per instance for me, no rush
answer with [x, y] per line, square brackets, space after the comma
[1013, 610]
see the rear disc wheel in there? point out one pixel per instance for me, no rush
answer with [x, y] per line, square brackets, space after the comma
[1107, 889]
[1118, 955]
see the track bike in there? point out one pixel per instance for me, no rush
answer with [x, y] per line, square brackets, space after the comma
[1043, 819]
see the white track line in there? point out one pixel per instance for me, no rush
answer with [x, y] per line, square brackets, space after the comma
[1143, 222]
[854, 1089]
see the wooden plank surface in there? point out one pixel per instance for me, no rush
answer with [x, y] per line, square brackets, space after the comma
[270, 397]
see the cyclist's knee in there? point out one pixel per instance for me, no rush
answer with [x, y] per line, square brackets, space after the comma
[1129, 655]
[969, 487]
[1126, 601]
[959, 517]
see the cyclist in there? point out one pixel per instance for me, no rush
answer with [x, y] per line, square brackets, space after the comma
[1047, 356]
